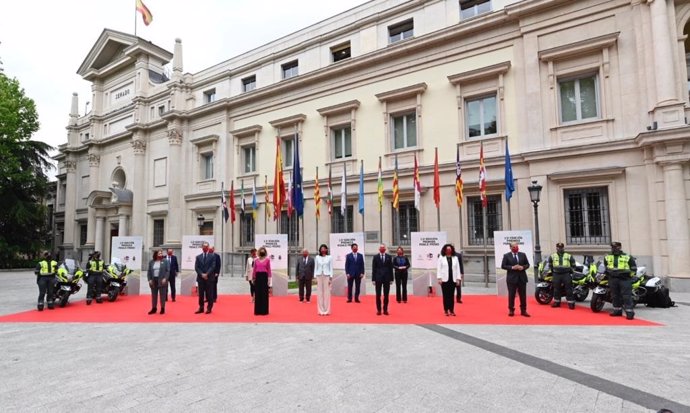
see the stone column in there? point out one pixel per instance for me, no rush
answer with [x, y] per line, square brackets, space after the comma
[94, 162]
[663, 52]
[122, 225]
[677, 229]
[138, 224]
[100, 235]
[173, 234]
[70, 208]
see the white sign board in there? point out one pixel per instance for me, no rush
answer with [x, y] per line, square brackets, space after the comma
[502, 240]
[128, 250]
[276, 247]
[425, 248]
[191, 247]
[341, 245]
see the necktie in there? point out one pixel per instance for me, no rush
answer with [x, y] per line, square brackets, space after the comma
[382, 259]
[515, 256]
[305, 261]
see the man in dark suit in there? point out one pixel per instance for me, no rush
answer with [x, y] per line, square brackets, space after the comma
[216, 272]
[458, 289]
[382, 277]
[174, 269]
[354, 270]
[205, 266]
[305, 274]
[515, 263]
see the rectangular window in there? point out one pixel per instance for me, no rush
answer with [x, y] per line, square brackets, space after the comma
[587, 216]
[471, 8]
[161, 110]
[494, 219]
[342, 142]
[400, 31]
[246, 230]
[207, 165]
[206, 228]
[82, 234]
[290, 69]
[406, 223]
[579, 99]
[338, 220]
[158, 232]
[341, 52]
[288, 154]
[249, 161]
[210, 96]
[481, 116]
[289, 227]
[404, 130]
[249, 83]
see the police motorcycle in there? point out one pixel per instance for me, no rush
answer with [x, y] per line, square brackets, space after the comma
[115, 279]
[582, 280]
[643, 287]
[67, 281]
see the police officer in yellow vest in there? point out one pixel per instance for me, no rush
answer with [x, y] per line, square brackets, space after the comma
[620, 268]
[562, 265]
[45, 273]
[95, 281]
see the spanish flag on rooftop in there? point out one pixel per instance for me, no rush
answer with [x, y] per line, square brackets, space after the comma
[145, 12]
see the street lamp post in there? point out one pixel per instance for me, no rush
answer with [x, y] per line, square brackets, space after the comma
[200, 221]
[534, 193]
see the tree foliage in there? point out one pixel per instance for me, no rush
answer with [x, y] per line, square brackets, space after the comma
[23, 182]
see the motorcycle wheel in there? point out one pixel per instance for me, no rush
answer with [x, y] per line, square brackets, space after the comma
[597, 303]
[543, 296]
[63, 300]
[112, 295]
[580, 294]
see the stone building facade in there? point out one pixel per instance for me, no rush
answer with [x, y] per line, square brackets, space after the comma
[590, 97]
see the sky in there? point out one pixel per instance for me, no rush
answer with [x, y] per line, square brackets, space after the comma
[43, 42]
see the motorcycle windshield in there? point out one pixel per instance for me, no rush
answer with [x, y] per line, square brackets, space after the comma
[70, 265]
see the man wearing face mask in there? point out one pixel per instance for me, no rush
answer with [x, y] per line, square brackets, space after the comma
[354, 270]
[174, 268]
[515, 263]
[620, 267]
[205, 271]
[382, 277]
[305, 274]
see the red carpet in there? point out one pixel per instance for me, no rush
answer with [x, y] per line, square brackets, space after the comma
[476, 309]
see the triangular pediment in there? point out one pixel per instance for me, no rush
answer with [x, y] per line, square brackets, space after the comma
[114, 50]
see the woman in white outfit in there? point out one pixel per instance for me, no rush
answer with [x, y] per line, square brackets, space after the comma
[323, 271]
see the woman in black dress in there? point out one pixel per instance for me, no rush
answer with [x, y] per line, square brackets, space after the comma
[400, 265]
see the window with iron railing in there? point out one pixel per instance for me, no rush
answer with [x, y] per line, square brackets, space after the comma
[587, 219]
[475, 219]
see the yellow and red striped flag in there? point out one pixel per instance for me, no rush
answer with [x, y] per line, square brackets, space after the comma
[396, 187]
[267, 199]
[145, 12]
[278, 183]
[329, 194]
[482, 177]
[380, 187]
[458, 179]
[317, 195]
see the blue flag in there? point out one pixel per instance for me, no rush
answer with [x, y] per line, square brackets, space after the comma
[361, 188]
[297, 196]
[510, 186]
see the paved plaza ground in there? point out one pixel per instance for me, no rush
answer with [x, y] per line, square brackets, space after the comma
[340, 367]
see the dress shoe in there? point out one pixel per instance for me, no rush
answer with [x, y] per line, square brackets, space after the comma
[88, 302]
[398, 301]
[630, 315]
[173, 300]
[40, 307]
[348, 301]
[208, 311]
[511, 313]
[199, 311]
[555, 304]
[459, 301]
[308, 300]
[99, 300]
[525, 314]
[378, 313]
[162, 310]
[571, 306]
[452, 314]
[404, 301]
[51, 307]
[357, 301]
[153, 311]
[447, 313]
[385, 313]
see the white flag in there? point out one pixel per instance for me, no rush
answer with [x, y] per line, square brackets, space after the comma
[343, 195]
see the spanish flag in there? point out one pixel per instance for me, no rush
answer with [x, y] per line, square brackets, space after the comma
[145, 12]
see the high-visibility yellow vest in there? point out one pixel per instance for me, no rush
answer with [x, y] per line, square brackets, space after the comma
[623, 263]
[96, 266]
[47, 268]
[561, 262]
